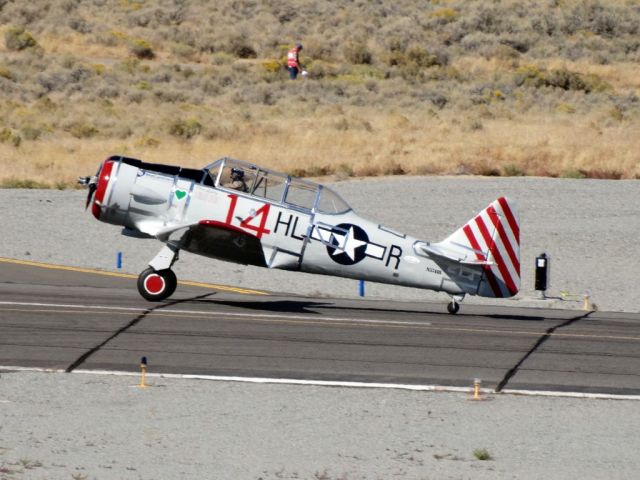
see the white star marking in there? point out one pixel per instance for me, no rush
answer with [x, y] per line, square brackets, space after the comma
[348, 246]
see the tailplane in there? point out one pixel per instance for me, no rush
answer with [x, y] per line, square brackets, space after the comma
[490, 242]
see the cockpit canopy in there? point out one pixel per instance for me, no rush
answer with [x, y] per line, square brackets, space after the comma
[277, 187]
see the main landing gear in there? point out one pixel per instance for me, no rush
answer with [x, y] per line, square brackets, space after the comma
[155, 286]
[158, 281]
[454, 305]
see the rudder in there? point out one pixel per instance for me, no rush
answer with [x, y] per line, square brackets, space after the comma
[493, 237]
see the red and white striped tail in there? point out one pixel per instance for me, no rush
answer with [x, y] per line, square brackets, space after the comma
[494, 237]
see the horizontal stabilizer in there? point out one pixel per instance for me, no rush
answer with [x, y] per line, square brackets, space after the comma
[453, 255]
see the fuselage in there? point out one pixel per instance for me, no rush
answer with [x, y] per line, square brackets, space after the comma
[300, 225]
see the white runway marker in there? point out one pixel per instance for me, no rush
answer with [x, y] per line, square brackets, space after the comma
[325, 383]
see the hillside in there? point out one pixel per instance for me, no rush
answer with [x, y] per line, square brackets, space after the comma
[417, 87]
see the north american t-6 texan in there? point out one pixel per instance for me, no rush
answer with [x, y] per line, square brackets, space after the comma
[238, 212]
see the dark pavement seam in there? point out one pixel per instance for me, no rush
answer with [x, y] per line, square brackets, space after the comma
[550, 331]
[83, 358]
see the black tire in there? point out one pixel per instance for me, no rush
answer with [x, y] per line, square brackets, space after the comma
[155, 286]
[453, 308]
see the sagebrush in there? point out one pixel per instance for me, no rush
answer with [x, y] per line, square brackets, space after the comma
[403, 87]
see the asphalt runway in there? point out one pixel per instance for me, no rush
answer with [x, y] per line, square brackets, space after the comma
[73, 319]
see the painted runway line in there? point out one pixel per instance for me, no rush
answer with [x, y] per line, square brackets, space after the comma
[51, 266]
[288, 318]
[203, 313]
[325, 383]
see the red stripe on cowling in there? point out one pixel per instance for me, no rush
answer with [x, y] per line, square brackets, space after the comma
[513, 224]
[493, 215]
[496, 254]
[103, 180]
[487, 270]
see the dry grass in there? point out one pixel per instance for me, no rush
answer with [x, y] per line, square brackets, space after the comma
[507, 88]
[540, 146]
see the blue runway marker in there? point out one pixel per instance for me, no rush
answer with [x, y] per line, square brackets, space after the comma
[119, 260]
[361, 288]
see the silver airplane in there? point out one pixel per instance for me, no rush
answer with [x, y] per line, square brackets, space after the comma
[239, 212]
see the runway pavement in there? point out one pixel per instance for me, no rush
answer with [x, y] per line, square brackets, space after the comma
[73, 319]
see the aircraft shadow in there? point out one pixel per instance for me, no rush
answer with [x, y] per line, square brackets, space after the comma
[528, 318]
[284, 306]
[312, 307]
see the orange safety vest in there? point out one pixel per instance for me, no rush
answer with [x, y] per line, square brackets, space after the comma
[292, 58]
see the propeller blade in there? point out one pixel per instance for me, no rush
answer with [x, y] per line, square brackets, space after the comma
[92, 185]
[92, 189]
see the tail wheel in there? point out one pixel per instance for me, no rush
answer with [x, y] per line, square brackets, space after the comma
[157, 285]
[453, 307]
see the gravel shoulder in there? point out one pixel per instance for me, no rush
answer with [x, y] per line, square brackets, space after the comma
[63, 426]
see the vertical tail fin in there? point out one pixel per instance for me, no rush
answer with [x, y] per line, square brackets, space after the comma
[493, 237]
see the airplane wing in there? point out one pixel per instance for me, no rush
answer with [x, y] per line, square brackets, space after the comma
[220, 240]
[213, 239]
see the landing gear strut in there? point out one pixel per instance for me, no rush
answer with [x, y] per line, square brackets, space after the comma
[155, 286]
[454, 305]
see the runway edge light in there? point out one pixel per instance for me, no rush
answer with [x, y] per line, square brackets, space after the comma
[143, 372]
[476, 388]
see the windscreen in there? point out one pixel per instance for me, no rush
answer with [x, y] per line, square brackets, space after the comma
[331, 202]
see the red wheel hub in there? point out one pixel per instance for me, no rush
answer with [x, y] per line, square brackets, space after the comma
[154, 284]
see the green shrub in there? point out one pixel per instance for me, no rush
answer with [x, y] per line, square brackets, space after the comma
[5, 135]
[423, 58]
[17, 38]
[482, 454]
[313, 171]
[5, 73]
[149, 142]
[616, 113]
[14, 182]
[601, 174]
[573, 174]
[240, 47]
[530, 76]
[511, 170]
[533, 76]
[45, 104]
[143, 85]
[81, 129]
[487, 171]
[393, 168]
[130, 65]
[186, 129]
[141, 49]
[31, 133]
[221, 58]
[565, 108]
[357, 53]
[9, 136]
[445, 14]
[185, 52]
[98, 68]
[322, 69]
[272, 66]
